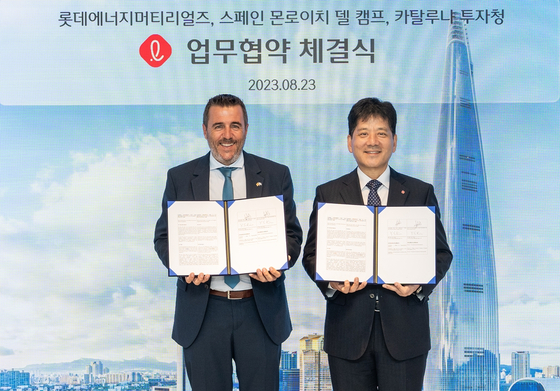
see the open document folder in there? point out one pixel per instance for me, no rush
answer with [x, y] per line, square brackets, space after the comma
[380, 245]
[226, 237]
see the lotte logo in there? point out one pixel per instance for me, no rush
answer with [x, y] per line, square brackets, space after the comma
[155, 50]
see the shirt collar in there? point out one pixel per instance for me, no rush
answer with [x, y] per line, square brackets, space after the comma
[384, 178]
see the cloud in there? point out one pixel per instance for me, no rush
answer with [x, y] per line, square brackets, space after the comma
[11, 226]
[537, 321]
[6, 352]
[524, 261]
[554, 253]
[82, 277]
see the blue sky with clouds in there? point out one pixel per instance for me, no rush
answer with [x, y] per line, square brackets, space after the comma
[81, 185]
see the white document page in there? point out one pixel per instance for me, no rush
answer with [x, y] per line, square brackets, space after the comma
[406, 245]
[345, 242]
[257, 233]
[196, 234]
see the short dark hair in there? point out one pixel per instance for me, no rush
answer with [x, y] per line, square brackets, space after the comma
[367, 108]
[224, 100]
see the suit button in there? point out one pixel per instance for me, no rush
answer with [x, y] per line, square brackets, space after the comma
[371, 296]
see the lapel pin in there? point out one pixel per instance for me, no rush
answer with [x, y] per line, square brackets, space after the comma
[402, 191]
[259, 184]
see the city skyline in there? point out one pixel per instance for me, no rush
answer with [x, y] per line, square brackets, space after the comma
[308, 362]
[80, 365]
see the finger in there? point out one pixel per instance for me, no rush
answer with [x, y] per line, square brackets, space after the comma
[413, 288]
[404, 290]
[266, 275]
[189, 278]
[409, 289]
[263, 274]
[274, 272]
[355, 285]
[270, 277]
[198, 279]
[389, 287]
[259, 276]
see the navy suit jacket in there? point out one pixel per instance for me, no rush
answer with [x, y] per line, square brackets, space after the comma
[190, 182]
[349, 318]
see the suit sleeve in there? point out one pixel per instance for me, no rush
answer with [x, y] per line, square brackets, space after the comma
[294, 234]
[160, 237]
[443, 253]
[309, 253]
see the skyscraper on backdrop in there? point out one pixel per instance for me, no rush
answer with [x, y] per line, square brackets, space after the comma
[313, 364]
[464, 307]
[289, 372]
[520, 365]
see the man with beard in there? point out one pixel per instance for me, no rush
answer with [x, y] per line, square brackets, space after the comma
[218, 320]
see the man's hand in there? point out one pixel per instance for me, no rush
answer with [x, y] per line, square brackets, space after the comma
[197, 280]
[269, 275]
[264, 275]
[346, 288]
[402, 290]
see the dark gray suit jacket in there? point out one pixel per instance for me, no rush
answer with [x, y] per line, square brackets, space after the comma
[349, 318]
[190, 182]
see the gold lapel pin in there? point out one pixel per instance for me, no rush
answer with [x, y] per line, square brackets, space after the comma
[259, 184]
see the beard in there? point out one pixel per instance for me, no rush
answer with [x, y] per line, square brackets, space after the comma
[229, 157]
